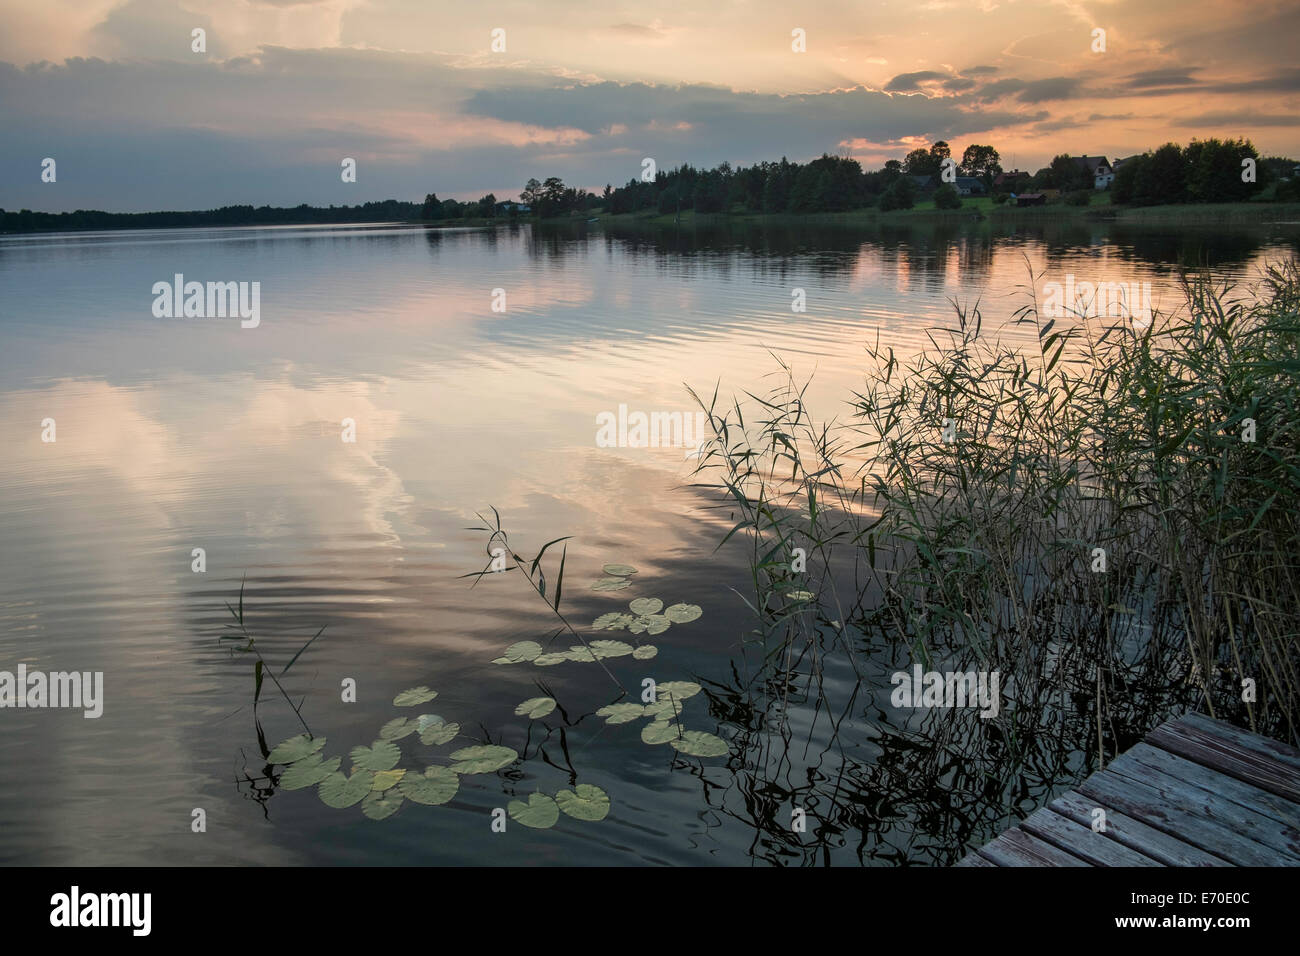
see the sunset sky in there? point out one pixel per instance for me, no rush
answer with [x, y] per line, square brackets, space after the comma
[584, 91]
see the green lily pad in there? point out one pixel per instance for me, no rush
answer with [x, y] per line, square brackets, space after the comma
[550, 660]
[522, 651]
[621, 713]
[380, 755]
[339, 791]
[681, 689]
[387, 779]
[435, 786]
[381, 806]
[540, 812]
[697, 743]
[644, 606]
[611, 648]
[535, 707]
[482, 759]
[659, 732]
[645, 652]
[579, 653]
[664, 708]
[613, 621]
[656, 624]
[397, 728]
[611, 584]
[437, 731]
[416, 695]
[683, 613]
[308, 772]
[295, 748]
[584, 802]
[619, 570]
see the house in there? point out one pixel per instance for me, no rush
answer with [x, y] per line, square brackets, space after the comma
[970, 186]
[1010, 180]
[1115, 166]
[1098, 168]
[1031, 199]
[509, 207]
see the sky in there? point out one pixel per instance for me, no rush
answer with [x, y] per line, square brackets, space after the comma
[285, 90]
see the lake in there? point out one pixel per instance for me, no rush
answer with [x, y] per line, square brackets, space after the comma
[473, 367]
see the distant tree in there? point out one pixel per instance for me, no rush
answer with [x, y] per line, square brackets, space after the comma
[1214, 170]
[947, 197]
[532, 193]
[432, 209]
[901, 194]
[981, 161]
[920, 162]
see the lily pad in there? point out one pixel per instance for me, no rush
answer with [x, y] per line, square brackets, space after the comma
[522, 651]
[697, 743]
[656, 623]
[621, 713]
[584, 802]
[380, 755]
[683, 613]
[643, 606]
[435, 786]
[308, 772]
[437, 731]
[681, 689]
[645, 652]
[482, 759]
[664, 707]
[659, 732]
[339, 791]
[611, 648]
[619, 570]
[535, 707]
[579, 653]
[613, 621]
[611, 584]
[540, 812]
[397, 728]
[387, 779]
[416, 695]
[381, 806]
[550, 660]
[295, 748]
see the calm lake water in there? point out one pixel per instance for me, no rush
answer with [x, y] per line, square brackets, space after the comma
[176, 434]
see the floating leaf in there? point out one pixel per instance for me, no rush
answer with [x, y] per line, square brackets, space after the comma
[416, 695]
[381, 755]
[482, 759]
[645, 652]
[621, 713]
[295, 748]
[397, 728]
[611, 648]
[535, 707]
[387, 779]
[697, 743]
[579, 653]
[611, 584]
[550, 660]
[339, 791]
[681, 689]
[613, 621]
[522, 651]
[539, 812]
[308, 772]
[381, 806]
[683, 613]
[434, 730]
[619, 570]
[584, 802]
[659, 732]
[656, 623]
[643, 606]
[436, 786]
[664, 708]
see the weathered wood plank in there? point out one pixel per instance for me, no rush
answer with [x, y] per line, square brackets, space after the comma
[1226, 756]
[1230, 788]
[973, 859]
[1083, 842]
[1165, 810]
[1194, 801]
[1017, 848]
[1256, 743]
[1134, 834]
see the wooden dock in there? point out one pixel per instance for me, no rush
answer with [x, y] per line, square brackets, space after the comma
[1195, 792]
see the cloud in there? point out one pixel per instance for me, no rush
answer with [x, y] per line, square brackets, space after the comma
[1238, 120]
[906, 82]
[1165, 77]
